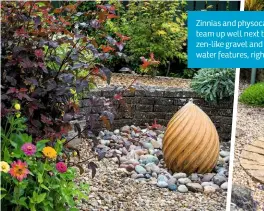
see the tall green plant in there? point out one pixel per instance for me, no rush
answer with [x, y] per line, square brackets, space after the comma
[154, 27]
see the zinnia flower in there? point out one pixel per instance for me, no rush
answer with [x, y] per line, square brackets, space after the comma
[17, 106]
[29, 149]
[4, 166]
[49, 152]
[19, 170]
[61, 167]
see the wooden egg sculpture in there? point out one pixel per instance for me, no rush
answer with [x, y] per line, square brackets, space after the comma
[191, 142]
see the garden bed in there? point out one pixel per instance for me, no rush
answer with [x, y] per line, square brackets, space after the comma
[132, 182]
[120, 79]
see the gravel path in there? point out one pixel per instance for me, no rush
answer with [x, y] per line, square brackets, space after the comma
[250, 126]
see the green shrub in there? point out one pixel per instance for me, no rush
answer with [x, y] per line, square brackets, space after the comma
[253, 95]
[154, 27]
[214, 84]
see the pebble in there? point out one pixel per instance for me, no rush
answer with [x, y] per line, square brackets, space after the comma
[124, 151]
[172, 181]
[148, 146]
[141, 158]
[151, 133]
[153, 181]
[227, 158]
[105, 142]
[208, 177]
[221, 171]
[179, 175]
[195, 187]
[117, 131]
[162, 184]
[220, 161]
[125, 129]
[224, 186]
[209, 189]
[219, 179]
[154, 174]
[140, 169]
[140, 176]
[147, 176]
[162, 178]
[101, 134]
[182, 189]
[155, 144]
[184, 181]
[194, 177]
[172, 187]
[134, 175]
[130, 167]
[145, 159]
[224, 153]
[152, 167]
[209, 184]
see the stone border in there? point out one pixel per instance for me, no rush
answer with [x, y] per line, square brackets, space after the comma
[149, 103]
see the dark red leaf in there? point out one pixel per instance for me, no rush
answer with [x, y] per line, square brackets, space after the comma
[23, 90]
[36, 123]
[12, 90]
[46, 120]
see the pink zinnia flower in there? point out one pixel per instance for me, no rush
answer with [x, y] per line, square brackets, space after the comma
[29, 149]
[61, 167]
[19, 170]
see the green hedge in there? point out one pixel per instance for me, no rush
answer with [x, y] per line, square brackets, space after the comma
[253, 95]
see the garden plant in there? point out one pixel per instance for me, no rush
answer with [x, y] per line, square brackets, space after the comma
[214, 84]
[48, 64]
[153, 27]
[253, 95]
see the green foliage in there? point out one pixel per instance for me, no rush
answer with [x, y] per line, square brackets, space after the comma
[154, 27]
[253, 95]
[214, 84]
[44, 187]
[189, 73]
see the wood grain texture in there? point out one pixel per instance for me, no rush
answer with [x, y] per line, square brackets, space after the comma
[252, 159]
[191, 142]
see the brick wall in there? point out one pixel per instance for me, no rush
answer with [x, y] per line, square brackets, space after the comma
[146, 104]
